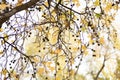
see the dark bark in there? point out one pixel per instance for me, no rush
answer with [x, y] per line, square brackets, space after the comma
[7, 15]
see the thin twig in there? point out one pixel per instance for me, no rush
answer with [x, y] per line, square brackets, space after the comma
[7, 15]
[103, 65]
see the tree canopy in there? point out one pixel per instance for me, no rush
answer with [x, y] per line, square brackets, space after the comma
[59, 40]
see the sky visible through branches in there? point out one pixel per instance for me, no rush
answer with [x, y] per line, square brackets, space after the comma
[59, 40]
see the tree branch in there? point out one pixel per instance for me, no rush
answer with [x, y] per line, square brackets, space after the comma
[7, 15]
[103, 65]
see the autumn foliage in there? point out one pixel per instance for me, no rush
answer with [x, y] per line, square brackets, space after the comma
[59, 40]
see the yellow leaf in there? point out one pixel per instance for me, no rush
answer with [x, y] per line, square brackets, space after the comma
[5, 36]
[91, 41]
[3, 6]
[1, 29]
[14, 75]
[98, 15]
[1, 52]
[72, 72]
[108, 7]
[59, 78]
[35, 59]
[54, 13]
[48, 63]
[97, 3]
[75, 1]
[86, 52]
[32, 49]
[97, 54]
[61, 60]
[117, 43]
[57, 51]
[2, 42]
[40, 71]
[101, 40]
[53, 35]
[46, 3]
[84, 47]
[20, 2]
[83, 29]
[4, 71]
[39, 28]
[71, 61]
[115, 7]
[52, 68]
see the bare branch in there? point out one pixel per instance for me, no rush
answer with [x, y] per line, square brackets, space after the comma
[7, 15]
[103, 65]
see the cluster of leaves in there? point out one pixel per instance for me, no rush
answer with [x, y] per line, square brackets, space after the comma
[117, 72]
[50, 40]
